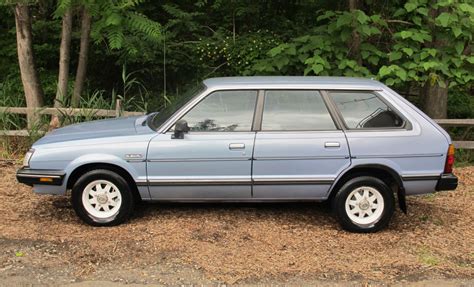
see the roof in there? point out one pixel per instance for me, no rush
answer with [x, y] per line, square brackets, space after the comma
[294, 82]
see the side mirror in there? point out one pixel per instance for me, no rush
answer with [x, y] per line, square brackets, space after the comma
[180, 128]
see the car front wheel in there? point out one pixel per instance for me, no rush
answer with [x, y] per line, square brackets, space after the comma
[102, 198]
[364, 204]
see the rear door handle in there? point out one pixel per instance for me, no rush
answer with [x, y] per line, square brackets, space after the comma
[236, 146]
[332, 144]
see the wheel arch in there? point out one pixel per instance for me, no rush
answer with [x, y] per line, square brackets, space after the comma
[383, 172]
[80, 170]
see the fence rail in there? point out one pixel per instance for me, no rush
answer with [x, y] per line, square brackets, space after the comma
[71, 111]
[469, 123]
[459, 123]
[118, 112]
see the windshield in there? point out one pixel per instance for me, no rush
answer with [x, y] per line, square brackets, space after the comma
[155, 120]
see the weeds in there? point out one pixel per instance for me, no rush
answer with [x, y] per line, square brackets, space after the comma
[464, 157]
[426, 257]
[133, 94]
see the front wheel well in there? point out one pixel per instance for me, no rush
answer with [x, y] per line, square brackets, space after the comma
[387, 175]
[81, 170]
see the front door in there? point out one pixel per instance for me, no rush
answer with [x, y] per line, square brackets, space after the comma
[299, 151]
[213, 160]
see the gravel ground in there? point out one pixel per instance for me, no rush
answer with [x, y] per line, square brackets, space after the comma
[43, 242]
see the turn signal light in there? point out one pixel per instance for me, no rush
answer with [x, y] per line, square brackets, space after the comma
[45, 179]
[448, 167]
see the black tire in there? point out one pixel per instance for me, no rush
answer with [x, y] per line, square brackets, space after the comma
[127, 202]
[339, 204]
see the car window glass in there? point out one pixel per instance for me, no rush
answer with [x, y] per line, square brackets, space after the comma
[365, 110]
[157, 119]
[295, 110]
[223, 111]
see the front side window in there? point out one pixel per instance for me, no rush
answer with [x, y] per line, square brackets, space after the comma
[223, 111]
[295, 111]
[155, 120]
[365, 110]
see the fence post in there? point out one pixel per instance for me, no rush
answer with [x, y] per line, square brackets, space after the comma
[118, 108]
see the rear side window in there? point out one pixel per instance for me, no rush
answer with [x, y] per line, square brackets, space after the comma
[365, 110]
[295, 111]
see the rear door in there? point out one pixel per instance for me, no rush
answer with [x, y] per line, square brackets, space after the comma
[299, 150]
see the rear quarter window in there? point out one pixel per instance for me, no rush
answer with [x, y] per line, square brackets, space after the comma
[365, 110]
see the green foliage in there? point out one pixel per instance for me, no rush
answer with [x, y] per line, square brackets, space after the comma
[120, 25]
[240, 55]
[133, 95]
[432, 46]
[327, 49]
[9, 97]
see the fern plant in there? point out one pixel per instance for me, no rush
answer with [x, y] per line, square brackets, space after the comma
[119, 23]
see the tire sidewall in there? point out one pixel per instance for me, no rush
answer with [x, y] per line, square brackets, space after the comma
[126, 206]
[339, 204]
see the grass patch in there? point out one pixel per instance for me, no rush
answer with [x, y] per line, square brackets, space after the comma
[424, 217]
[430, 196]
[426, 257]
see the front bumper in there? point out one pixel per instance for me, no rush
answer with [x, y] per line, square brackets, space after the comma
[40, 176]
[447, 181]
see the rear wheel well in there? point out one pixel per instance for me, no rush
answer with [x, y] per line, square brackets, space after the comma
[81, 170]
[387, 175]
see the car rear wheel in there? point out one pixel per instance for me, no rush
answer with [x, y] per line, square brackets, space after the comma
[102, 198]
[364, 204]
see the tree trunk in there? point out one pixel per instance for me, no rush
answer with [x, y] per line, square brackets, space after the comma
[354, 42]
[435, 97]
[435, 100]
[29, 75]
[64, 58]
[83, 55]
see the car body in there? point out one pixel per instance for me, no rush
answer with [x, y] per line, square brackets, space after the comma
[254, 139]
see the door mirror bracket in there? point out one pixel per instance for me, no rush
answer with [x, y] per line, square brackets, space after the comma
[180, 128]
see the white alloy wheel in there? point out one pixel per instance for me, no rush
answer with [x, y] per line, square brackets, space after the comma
[102, 199]
[364, 206]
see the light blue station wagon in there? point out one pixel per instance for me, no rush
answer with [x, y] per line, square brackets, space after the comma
[352, 141]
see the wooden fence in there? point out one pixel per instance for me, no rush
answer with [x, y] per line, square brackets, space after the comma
[93, 113]
[469, 123]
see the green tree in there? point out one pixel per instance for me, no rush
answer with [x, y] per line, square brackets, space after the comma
[432, 48]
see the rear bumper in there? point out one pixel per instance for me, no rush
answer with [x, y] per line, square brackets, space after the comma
[447, 181]
[40, 176]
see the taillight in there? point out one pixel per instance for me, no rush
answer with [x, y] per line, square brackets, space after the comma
[448, 167]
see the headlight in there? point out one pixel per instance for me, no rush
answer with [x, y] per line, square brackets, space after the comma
[26, 160]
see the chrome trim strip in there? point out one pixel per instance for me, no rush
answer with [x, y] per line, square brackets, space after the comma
[235, 181]
[411, 177]
[399, 156]
[193, 180]
[200, 159]
[155, 182]
[291, 181]
[136, 160]
[307, 182]
[301, 157]
[248, 199]
[38, 175]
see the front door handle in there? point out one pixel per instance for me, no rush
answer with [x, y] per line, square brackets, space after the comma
[236, 146]
[332, 144]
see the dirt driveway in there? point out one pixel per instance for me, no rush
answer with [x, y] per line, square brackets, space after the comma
[43, 242]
